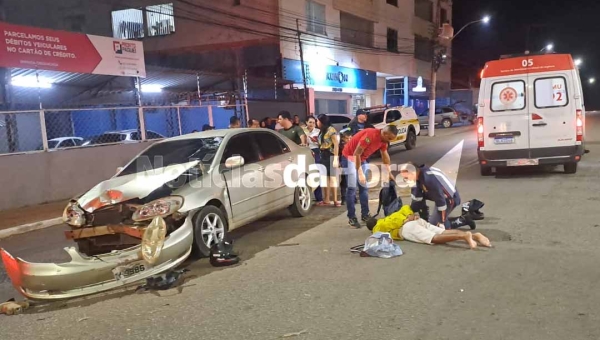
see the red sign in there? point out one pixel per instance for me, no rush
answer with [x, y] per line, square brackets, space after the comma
[528, 64]
[37, 48]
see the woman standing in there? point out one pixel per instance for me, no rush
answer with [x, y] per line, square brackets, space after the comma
[313, 143]
[329, 147]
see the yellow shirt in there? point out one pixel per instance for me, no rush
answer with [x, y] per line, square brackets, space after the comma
[393, 223]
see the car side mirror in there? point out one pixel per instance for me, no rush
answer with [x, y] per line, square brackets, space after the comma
[234, 162]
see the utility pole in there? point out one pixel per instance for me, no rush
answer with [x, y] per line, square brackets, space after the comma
[307, 112]
[435, 65]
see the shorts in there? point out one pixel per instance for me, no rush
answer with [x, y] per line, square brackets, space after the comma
[420, 231]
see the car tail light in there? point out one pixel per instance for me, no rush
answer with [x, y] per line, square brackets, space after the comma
[480, 139]
[579, 124]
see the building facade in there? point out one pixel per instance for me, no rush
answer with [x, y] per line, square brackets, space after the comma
[361, 53]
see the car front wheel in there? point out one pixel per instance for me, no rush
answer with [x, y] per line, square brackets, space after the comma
[210, 228]
[302, 201]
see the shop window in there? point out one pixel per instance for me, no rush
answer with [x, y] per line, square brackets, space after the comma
[392, 40]
[355, 30]
[315, 16]
[424, 9]
[550, 92]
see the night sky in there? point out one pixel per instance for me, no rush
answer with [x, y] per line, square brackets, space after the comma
[573, 26]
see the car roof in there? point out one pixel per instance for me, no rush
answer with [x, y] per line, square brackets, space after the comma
[216, 133]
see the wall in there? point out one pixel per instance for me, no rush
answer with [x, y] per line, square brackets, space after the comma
[319, 50]
[262, 109]
[51, 176]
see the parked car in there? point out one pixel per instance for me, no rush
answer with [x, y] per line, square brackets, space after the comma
[178, 195]
[467, 113]
[445, 116]
[124, 136]
[339, 120]
[62, 142]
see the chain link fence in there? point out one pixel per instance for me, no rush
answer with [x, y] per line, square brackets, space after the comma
[31, 131]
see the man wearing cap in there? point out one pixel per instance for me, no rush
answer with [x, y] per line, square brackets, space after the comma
[360, 122]
[431, 184]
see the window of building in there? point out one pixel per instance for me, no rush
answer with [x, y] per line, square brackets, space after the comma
[392, 40]
[508, 96]
[424, 9]
[550, 92]
[133, 24]
[355, 30]
[423, 48]
[128, 24]
[444, 16]
[392, 2]
[315, 16]
[160, 20]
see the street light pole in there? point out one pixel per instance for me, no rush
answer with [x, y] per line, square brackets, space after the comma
[437, 59]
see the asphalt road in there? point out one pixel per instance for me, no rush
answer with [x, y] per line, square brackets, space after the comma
[538, 282]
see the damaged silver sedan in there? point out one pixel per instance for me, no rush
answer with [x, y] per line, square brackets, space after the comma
[178, 196]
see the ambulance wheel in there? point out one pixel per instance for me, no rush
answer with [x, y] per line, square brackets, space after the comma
[485, 170]
[411, 140]
[570, 168]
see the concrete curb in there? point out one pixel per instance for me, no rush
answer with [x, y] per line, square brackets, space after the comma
[25, 228]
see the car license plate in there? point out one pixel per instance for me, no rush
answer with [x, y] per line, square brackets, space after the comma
[522, 162]
[504, 140]
[123, 272]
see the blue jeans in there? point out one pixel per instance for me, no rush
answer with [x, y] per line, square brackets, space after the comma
[363, 192]
[318, 191]
[436, 217]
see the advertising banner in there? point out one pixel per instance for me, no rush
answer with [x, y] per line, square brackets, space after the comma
[329, 75]
[37, 48]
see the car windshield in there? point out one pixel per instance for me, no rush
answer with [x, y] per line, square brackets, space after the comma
[52, 144]
[174, 152]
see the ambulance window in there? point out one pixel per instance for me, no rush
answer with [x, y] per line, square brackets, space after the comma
[508, 96]
[550, 92]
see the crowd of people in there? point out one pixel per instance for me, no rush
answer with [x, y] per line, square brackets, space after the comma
[344, 155]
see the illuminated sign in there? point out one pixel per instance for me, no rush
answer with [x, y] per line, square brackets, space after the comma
[336, 77]
[419, 87]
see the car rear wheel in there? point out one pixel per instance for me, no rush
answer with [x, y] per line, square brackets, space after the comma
[446, 123]
[210, 228]
[411, 140]
[570, 168]
[302, 201]
[485, 170]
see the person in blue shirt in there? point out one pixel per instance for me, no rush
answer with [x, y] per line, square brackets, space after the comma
[431, 184]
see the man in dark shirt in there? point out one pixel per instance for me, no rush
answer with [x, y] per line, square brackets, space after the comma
[360, 122]
[291, 131]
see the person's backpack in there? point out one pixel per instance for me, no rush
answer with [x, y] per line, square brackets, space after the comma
[388, 199]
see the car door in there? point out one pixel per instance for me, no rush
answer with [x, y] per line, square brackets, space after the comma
[241, 189]
[275, 156]
[377, 119]
[506, 123]
[552, 116]
[393, 117]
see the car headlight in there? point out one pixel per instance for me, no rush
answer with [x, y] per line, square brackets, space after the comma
[161, 207]
[154, 240]
[73, 215]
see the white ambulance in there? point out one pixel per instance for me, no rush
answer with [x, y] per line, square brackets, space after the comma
[530, 112]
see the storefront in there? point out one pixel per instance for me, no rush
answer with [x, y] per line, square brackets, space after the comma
[419, 91]
[334, 89]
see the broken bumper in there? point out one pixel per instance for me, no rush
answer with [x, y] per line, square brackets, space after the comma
[88, 275]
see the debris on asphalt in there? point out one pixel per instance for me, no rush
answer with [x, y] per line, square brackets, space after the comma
[163, 281]
[82, 319]
[289, 335]
[12, 307]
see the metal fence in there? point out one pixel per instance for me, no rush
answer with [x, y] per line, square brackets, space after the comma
[48, 130]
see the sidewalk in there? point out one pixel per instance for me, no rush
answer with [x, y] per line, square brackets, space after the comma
[31, 214]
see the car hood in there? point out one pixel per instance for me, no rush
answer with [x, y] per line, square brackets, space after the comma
[137, 185]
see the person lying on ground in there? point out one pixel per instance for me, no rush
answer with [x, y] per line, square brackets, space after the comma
[407, 225]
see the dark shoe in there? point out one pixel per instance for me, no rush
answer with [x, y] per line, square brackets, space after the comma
[461, 222]
[366, 217]
[353, 222]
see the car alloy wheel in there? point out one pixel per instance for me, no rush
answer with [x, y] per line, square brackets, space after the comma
[212, 229]
[304, 197]
[446, 123]
[302, 201]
